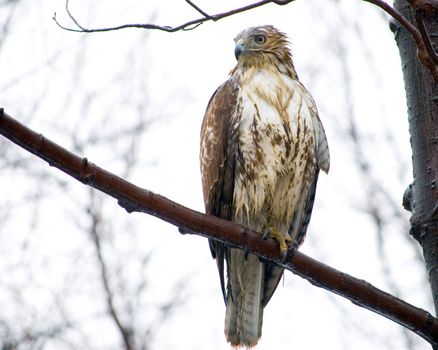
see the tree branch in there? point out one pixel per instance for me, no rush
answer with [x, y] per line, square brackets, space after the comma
[184, 26]
[134, 198]
[426, 54]
[197, 8]
[95, 233]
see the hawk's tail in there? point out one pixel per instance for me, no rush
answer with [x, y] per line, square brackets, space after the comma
[244, 315]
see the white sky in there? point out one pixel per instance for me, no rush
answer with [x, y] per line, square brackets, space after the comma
[170, 78]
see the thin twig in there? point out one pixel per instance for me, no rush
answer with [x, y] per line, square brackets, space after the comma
[197, 8]
[426, 54]
[67, 9]
[185, 26]
[133, 198]
[125, 332]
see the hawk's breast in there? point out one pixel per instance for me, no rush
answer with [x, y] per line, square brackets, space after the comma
[276, 146]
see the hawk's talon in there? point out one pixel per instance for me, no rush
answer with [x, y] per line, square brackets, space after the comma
[289, 252]
[283, 240]
[283, 255]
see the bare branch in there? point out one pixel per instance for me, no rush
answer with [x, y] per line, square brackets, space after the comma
[133, 198]
[197, 8]
[185, 26]
[420, 37]
[31, 336]
[399, 17]
[5, 27]
[426, 54]
[94, 230]
[67, 9]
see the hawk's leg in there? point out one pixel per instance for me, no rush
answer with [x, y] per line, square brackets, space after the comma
[283, 240]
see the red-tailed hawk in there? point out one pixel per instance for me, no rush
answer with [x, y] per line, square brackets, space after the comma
[262, 145]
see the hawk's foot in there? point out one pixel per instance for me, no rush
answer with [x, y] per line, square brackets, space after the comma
[282, 239]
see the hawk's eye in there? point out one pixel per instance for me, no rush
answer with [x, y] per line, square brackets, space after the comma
[260, 39]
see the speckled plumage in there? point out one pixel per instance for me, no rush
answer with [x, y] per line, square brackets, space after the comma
[262, 145]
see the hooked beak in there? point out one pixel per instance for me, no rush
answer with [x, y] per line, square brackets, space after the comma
[240, 47]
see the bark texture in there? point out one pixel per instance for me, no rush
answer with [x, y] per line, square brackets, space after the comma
[422, 102]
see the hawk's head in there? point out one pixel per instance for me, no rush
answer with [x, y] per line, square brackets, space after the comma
[260, 39]
[261, 45]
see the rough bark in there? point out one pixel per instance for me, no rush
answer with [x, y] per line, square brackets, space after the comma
[422, 102]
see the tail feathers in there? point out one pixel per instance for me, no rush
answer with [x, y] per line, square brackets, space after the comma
[244, 314]
[246, 332]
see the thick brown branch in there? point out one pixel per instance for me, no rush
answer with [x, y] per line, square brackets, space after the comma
[133, 198]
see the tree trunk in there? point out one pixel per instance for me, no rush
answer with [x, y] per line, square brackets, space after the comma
[422, 101]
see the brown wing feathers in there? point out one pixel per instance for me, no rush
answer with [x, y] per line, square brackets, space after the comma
[218, 164]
